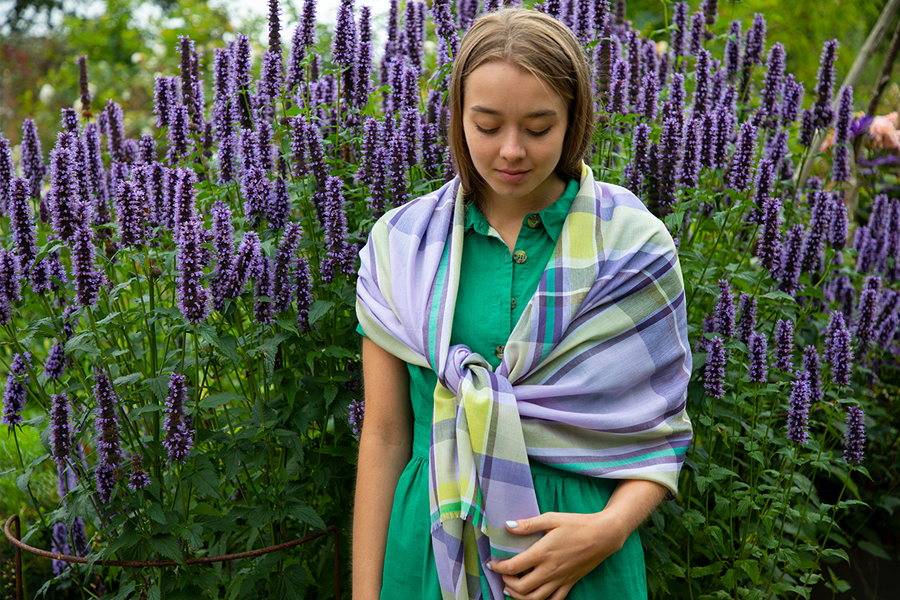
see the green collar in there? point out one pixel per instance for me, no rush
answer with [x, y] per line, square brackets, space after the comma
[552, 217]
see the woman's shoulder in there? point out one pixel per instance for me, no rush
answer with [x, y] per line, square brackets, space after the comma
[421, 209]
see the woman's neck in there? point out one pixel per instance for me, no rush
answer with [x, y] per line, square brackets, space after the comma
[505, 214]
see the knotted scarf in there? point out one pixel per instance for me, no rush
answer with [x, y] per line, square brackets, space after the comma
[593, 378]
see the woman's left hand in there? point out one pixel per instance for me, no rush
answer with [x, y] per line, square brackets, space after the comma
[572, 546]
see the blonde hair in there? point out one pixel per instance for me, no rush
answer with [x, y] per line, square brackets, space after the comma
[542, 46]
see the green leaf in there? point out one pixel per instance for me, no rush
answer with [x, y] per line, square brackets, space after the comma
[127, 539]
[167, 547]
[712, 569]
[227, 344]
[329, 395]
[139, 410]
[205, 479]
[750, 567]
[220, 399]
[304, 513]
[129, 379]
[159, 386]
[291, 584]
[779, 295]
[839, 552]
[154, 594]
[22, 480]
[318, 309]
[155, 512]
[874, 550]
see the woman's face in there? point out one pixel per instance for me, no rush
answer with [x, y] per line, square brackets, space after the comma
[515, 126]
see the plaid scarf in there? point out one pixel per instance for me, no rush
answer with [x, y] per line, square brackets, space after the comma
[593, 379]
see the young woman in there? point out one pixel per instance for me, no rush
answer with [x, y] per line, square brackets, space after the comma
[525, 353]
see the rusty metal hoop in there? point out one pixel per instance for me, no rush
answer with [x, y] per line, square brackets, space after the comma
[15, 540]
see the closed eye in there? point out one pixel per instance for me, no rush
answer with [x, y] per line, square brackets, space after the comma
[532, 133]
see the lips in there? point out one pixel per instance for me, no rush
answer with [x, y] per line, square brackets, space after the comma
[512, 176]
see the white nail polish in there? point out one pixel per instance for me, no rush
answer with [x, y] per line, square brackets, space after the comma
[488, 566]
[512, 524]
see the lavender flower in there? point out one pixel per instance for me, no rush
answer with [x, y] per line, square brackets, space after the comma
[285, 267]
[55, 365]
[59, 544]
[639, 168]
[115, 131]
[308, 24]
[10, 283]
[304, 295]
[83, 88]
[690, 165]
[357, 413]
[747, 322]
[16, 393]
[186, 52]
[31, 158]
[855, 437]
[822, 110]
[733, 50]
[811, 366]
[818, 229]
[793, 96]
[868, 301]
[339, 252]
[714, 374]
[193, 298]
[183, 198]
[164, 95]
[724, 311]
[790, 260]
[840, 167]
[295, 69]
[106, 422]
[754, 43]
[179, 132]
[784, 344]
[87, 278]
[21, 220]
[758, 369]
[79, 537]
[179, 437]
[263, 292]
[773, 86]
[739, 174]
[7, 171]
[798, 414]
[344, 42]
[139, 478]
[770, 235]
[246, 264]
[105, 478]
[67, 211]
[679, 28]
[764, 175]
[695, 43]
[844, 116]
[60, 428]
[838, 351]
[668, 155]
[130, 206]
[888, 318]
[257, 190]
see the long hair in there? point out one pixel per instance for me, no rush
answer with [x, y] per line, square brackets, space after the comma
[542, 46]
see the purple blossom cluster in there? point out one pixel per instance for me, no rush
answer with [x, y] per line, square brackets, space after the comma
[798, 413]
[357, 412]
[16, 393]
[179, 435]
[193, 297]
[855, 437]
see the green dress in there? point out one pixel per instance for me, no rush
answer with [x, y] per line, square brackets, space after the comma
[494, 289]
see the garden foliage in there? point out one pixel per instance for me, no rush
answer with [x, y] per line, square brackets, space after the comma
[180, 307]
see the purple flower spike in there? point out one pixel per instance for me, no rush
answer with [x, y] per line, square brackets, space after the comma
[115, 131]
[811, 366]
[798, 414]
[105, 478]
[855, 437]
[286, 267]
[340, 253]
[818, 230]
[60, 428]
[668, 156]
[21, 221]
[844, 116]
[179, 133]
[262, 309]
[774, 84]
[179, 434]
[865, 323]
[357, 413]
[770, 235]
[106, 422]
[59, 544]
[221, 113]
[246, 264]
[838, 351]
[165, 97]
[55, 365]
[714, 375]
[139, 478]
[304, 295]
[758, 369]
[690, 165]
[16, 393]
[733, 50]
[754, 43]
[10, 283]
[790, 260]
[698, 29]
[724, 311]
[31, 158]
[7, 171]
[344, 43]
[639, 169]
[88, 278]
[784, 344]
[67, 211]
[837, 232]
[257, 190]
[793, 96]
[193, 298]
[739, 174]
[840, 167]
[747, 321]
[296, 74]
[824, 114]
[130, 206]
[679, 28]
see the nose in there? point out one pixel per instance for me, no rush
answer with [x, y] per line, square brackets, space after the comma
[512, 148]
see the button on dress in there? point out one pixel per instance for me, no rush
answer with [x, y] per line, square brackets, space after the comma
[494, 290]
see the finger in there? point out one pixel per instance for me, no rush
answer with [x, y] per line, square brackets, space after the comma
[543, 522]
[544, 592]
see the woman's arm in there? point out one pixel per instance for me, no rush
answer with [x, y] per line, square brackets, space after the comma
[574, 544]
[385, 447]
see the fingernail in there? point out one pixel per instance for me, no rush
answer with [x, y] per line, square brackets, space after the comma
[506, 592]
[488, 566]
[512, 524]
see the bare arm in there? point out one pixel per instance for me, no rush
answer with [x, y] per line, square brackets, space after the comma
[385, 447]
[574, 544]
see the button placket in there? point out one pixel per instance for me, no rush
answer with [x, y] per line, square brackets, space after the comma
[520, 257]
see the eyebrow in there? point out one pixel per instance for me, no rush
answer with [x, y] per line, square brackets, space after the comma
[531, 115]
